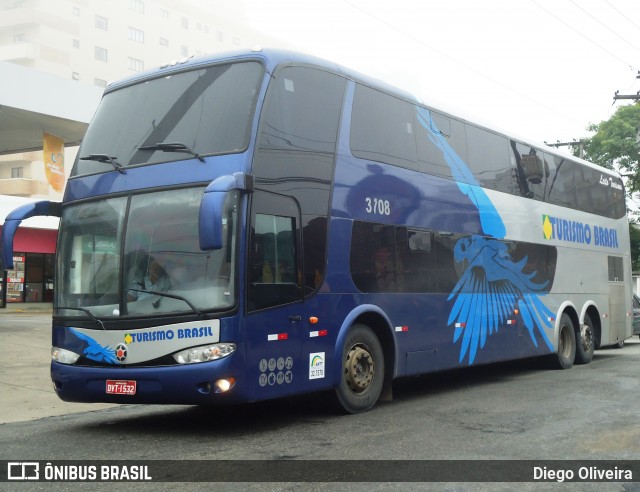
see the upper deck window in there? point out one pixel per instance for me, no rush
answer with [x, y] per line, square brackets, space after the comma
[208, 111]
[382, 128]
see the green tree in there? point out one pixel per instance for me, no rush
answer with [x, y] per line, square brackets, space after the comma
[634, 235]
[614, 146]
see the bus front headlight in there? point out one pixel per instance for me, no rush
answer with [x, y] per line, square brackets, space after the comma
[205, 353]
[64, 356]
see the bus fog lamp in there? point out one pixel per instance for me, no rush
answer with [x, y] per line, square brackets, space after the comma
[205, 353]
[64, 356]
[224, 385]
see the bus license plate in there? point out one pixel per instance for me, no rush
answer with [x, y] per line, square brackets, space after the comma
[116, 387]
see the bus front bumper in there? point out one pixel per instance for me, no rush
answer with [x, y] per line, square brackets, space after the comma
[190, 384]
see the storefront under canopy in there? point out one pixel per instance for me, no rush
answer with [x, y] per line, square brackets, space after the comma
[31, 279]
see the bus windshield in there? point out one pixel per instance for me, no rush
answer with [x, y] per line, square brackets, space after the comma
[194, 113]
[140, 256]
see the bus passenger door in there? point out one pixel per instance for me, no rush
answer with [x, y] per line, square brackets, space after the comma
[274, 296]
[619, 299]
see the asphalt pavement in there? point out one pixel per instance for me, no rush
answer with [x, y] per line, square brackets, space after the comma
[26, 391]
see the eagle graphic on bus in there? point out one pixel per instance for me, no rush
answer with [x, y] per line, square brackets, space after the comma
[94, 350]
[492, 286]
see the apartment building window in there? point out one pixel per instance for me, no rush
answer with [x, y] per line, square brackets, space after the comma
[102, 23]
[164, 13]
[75, 75]
[184, 50]
[20, 38]
[100, 54]
[136, 35]
[76, 43]
[164, 42]
[17, 172]
[135, 64]
[76, 11]
[137, 6]
[99, 82]
[185, 23]
[220, 36]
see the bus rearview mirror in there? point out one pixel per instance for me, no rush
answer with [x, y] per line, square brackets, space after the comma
[212, 205]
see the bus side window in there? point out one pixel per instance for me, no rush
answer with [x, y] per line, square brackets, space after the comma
[382, 128]
[562, 185]
[295, 152]
[415, 247]
[489, 160]
[373, 259]
[431, 160]
[274, 270]
[531, 170]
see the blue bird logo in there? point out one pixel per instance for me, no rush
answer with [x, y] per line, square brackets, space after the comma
[491, 289]
[95, 351]
[492, 286]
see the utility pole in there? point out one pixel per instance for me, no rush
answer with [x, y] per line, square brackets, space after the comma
[575, 143]
[617, 96]
[635, 96]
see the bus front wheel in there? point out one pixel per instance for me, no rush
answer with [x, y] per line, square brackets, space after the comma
[566, 343]
[362, 370]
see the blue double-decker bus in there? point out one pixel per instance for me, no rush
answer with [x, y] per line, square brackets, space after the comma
[263, 224]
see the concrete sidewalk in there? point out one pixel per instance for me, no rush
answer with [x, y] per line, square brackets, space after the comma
[27, 307]
[26, 391]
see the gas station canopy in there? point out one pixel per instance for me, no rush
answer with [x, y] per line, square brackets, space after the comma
[34, 102]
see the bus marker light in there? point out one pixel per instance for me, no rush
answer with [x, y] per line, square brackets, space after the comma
[277, 336]
[319, 333]
[313, 320]
[224, 385]
[402, 328]
[461, 325]
[511, 321]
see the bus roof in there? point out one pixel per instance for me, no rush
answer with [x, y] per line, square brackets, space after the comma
[272, 58]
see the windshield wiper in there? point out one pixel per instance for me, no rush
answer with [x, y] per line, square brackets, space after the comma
[156, 303]
[104, 158]
[85, 311]
[172, 147]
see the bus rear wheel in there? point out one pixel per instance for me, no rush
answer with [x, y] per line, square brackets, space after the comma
[566, 354]
[585, 341]
[362, 370]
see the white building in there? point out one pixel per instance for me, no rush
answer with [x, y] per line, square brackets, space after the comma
[56, 57]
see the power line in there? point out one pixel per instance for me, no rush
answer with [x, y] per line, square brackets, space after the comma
[467, 67]
[622, 15]
[583, 36]
[604, 25]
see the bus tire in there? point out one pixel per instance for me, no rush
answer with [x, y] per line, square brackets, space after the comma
[362, 367]
[585, 341]
[566, 354]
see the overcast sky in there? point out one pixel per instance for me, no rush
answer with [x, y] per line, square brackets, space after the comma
[542, 69]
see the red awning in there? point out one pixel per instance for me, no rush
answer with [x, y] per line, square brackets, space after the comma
[35, 240]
